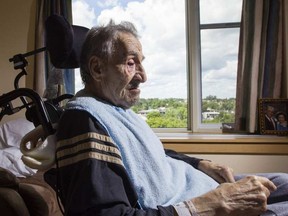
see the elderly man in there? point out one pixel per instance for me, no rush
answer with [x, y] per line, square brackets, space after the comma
[111, 163]
[270, 120]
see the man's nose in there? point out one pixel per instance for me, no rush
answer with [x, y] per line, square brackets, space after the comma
[142, 74]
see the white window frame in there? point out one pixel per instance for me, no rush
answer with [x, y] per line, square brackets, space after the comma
[193, 28]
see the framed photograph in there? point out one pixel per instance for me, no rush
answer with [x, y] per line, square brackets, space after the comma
[273, 116]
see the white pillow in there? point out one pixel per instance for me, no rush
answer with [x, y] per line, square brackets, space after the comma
[12, 132]
[10, 159]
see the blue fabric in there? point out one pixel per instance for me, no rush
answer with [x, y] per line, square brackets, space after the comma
[151, 171]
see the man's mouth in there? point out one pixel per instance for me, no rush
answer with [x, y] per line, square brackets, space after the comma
[133, 85]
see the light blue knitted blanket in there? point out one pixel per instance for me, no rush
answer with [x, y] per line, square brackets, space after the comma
[157, 178]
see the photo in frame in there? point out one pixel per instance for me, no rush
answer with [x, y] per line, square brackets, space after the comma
[273, 116]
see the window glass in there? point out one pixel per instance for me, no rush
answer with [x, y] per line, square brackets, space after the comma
[220, 11]
[219, 58]
[219, 51]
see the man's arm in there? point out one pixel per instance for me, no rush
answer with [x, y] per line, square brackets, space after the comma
[190, 160]
[247, 196]
[218, 172]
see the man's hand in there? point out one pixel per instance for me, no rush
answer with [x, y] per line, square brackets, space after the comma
[219, 173]
[247, 196]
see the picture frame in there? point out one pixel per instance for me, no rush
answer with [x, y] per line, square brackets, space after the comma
[273, 116]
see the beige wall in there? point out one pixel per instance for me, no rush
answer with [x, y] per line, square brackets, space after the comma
[250, 163]
[16, 36]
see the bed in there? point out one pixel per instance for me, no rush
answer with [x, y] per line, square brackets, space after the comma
[23, 190]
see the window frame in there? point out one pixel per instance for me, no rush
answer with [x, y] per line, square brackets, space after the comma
[193, 32]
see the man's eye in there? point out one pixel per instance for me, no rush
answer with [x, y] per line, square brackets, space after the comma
[131, 64]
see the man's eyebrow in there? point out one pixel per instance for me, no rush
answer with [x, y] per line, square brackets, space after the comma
[136, 55]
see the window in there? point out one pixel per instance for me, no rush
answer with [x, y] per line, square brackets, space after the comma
[213, 33]
[177, 44]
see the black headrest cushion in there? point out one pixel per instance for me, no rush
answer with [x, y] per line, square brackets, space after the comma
[64, 41]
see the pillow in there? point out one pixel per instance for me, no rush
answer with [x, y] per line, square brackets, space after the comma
[12, 132]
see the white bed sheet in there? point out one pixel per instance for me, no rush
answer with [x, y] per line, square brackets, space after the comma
[11, 134]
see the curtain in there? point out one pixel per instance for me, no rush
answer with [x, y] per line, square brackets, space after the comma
[39, 84]
[260, 60]
[49, 81]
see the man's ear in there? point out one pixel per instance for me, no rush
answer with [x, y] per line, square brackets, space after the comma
[95, 68]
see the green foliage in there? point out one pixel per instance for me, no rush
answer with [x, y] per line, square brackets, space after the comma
[165, 121]
[226, 108]
[174, 111]
[222, 118]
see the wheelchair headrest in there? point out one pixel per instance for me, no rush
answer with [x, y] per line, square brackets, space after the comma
[64, 41]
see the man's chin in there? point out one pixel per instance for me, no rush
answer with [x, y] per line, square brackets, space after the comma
[131, 102]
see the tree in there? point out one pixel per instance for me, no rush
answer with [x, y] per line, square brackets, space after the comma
[176, 113]
[211, 97]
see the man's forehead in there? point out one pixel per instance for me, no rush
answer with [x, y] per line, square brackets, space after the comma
[128, 45]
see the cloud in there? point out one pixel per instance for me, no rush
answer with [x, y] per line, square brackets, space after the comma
[107, 3]
[222, 82]
[218, 45]
[219, 62]
[214, 13]
[83, 14]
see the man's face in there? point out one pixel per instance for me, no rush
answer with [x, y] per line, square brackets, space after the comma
[270, 112]
[124, 72]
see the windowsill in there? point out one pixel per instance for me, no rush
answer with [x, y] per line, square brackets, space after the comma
[189, 143]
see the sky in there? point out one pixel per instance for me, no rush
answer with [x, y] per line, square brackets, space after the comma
[161, 26]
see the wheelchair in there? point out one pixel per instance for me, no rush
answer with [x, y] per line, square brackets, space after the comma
[63, 43]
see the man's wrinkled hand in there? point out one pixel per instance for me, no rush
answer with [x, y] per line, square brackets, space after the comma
[219, 173]
[247, 196]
